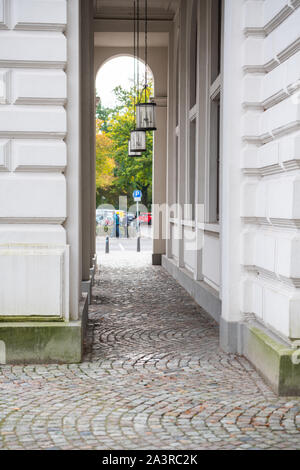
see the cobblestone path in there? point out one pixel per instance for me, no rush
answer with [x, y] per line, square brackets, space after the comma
[153, 378]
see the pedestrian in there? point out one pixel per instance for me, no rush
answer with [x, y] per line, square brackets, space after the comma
[117, 224]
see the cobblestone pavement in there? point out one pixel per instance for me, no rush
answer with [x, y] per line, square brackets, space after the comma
[153, 378]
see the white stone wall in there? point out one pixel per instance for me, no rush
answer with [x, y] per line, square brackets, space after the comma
[253, 258]
[34, 259]
[194, 244]
[270, 161]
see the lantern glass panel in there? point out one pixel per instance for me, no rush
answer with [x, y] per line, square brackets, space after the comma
[131, 153]
[145, 116]
[138, 141]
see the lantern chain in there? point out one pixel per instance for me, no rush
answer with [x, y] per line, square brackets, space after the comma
[146, 49]
[134, 55]
[138, 50]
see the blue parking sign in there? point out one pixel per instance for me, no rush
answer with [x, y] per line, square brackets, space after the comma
[137, 195]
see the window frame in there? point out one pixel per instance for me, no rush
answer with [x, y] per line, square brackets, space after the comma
[214, 145]
[193, 113]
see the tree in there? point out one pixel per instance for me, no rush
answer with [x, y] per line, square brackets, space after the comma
[129, 173]
[105, 163]
[103, 115]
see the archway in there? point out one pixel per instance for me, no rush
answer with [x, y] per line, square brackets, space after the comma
[108, 45]
[158, 64]
[117, 173]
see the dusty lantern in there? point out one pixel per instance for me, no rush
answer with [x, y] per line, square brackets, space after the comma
[138, 141]
[131, 153]
[145, 116]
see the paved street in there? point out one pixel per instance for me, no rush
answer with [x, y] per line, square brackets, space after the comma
[124, 244]
[153, 378]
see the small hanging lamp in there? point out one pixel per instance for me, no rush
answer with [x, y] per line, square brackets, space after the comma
[145, 115]
[145, 111]
[131, 153]
[138, 141]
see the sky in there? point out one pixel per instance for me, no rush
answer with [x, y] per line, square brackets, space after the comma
[117, 71]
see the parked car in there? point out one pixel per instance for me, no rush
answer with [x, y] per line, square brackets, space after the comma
[145, 218]
[99, 219]
[130, 217]
[108, 220]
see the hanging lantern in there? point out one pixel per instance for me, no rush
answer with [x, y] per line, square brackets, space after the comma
[138, 141]
[131, 153]
[145, 111]
[145, 116]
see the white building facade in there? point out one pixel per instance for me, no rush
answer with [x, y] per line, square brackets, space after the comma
[226, 159]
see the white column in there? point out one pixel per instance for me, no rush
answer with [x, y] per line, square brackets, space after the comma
[231, 174]
[86, 143]
[158, 62]
[182, 124]
[73, 173]
[159, 174]
[202, 131]
[92, 137]
[170, 176]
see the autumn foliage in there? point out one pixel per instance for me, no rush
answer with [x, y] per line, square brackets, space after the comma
[116, 173]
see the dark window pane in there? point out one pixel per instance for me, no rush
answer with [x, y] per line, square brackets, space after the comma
[193, 57]
[216, 28]
[214, 166]
[192, 169]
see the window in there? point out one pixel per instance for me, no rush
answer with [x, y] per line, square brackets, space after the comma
[193, 113]
[192, 169]
[215, 112]
[214, 160]
[176, 133]
[176, 170]
[177, 85]
[193, 56]
[215, 38]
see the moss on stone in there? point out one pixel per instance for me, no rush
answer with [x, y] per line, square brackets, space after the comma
[274, 361]
[25, 319]
[42, 343]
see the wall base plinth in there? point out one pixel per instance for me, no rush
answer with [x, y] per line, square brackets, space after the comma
[86, 288]
[94, 269]
[156, 259]
[203, 294]
[274, 360]
[231, 336]
[44, 342]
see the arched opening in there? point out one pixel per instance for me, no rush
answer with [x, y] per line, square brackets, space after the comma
[120, 220]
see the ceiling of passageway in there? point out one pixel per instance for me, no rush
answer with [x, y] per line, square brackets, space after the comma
[126, 40]
[122, 9]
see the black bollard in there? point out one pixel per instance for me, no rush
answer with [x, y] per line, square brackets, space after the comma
[138, 248]
[107, 245]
